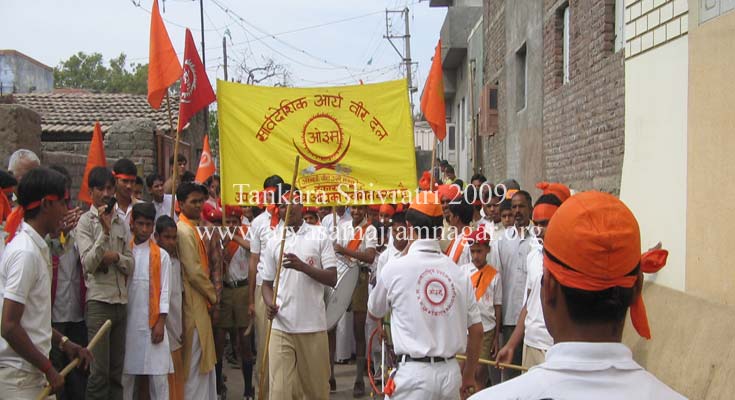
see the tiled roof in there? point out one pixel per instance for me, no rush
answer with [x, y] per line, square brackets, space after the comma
[70, 112]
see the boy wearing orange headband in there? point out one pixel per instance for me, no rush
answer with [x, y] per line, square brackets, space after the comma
[199, 296]
[531, 328]
[434, 313]
[489, 295]
[147, 355]
[125, 173]
[593, 272]
[25, 291]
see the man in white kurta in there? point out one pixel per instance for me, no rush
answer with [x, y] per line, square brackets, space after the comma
[143, 356]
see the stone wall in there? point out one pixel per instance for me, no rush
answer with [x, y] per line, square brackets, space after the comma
[20, 128]
[492, 148]
[584, 119]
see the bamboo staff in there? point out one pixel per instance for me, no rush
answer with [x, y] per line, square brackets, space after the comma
[176, 156]
[496, 364]
[278, 276]
[433, 161]
[64, 372]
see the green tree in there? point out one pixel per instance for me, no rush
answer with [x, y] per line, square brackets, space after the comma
[88, 71]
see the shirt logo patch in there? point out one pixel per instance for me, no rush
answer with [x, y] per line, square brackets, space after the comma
[435, 292]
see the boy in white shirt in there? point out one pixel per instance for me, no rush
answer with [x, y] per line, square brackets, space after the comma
[489, 295]
[147, 352]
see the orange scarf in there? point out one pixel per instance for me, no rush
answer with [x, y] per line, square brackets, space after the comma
[233, 246]
[458, 251]
[154, 282]
[482, 279]
[5, 207]
[357, 238]
[202, 250]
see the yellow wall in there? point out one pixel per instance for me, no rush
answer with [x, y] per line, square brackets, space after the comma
[710, 269]
[655, 163]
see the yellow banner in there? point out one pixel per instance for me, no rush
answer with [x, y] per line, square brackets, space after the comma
[356, 142]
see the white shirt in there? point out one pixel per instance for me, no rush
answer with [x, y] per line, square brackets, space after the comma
[536, 335]
[494, 230]
[390, 253]
[345, 234]
[174, 321]
[238, 268]
[164, 207]
[300, 298]
[508, 255]
[25, 278]
[142, 357]
[125, 216]
[431, 302]
[67, 306]
[459, 241]
[583, 371]
[328, 223]
[492, 297]
[259, 233]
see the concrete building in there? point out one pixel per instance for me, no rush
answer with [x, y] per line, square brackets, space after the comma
[462, 49]
[22, 74]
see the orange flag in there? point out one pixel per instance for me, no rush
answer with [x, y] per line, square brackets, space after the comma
[95, 158]
[163, 65]
[206, 165]
[432, 101]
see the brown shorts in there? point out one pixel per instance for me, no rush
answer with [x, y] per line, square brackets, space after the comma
[360, 295]
[233, 312]
[488, 339]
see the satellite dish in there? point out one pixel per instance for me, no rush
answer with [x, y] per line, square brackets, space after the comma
[339, 297]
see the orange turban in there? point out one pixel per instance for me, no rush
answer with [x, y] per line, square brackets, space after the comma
[211, 213]
[559, 190]
[387, 209]
[425, 181]
[427, 203]
[374, 207]
[593, 243]
[448, 191]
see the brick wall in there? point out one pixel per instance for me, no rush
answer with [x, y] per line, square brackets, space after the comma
[584, 118]
[651, 23]
[492, 148]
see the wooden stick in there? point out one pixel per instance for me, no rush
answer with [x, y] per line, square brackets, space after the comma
[495, 364]
[277, 279]
[64, 372]
[176, 157]
[433, 161]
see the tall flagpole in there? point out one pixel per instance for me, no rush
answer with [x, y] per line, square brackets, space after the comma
[176, 157]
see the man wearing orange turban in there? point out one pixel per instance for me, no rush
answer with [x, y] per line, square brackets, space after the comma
[593, 272]
[434, 313]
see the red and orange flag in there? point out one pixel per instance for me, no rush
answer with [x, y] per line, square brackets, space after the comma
[432, 101]
[163, 64]
[95, 158]
[196, 92]
[206, 164]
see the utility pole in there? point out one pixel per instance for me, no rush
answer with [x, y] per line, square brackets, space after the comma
[406, 55]
[201, 18]
[224, 54]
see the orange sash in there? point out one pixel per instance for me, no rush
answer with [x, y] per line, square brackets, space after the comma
[357, 238]
[202, 250]
[458, 251]
[233, 246]
[482, 279]
[154, 282]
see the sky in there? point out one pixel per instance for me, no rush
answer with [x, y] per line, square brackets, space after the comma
[321, 42]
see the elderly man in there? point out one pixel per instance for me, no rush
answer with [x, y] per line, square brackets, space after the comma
[22, 161]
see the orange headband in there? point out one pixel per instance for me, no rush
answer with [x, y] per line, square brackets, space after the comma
[16, 217]
[427, 203]
[124, 176]
[544, 211]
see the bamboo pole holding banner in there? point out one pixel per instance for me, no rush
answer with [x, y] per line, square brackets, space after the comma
[64, 372]
[433, 162]
[261, 374]
[176, 157]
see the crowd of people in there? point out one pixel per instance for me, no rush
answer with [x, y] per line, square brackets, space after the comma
[481, 271]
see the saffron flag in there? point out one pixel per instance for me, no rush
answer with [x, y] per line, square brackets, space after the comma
[432, 100]
[163, 64]
[95, 158]
[196, 92]
[206, 165]
[356, 142]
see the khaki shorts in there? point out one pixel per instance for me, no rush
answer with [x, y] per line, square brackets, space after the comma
[488, 339]
[360, 295]
[233, 312]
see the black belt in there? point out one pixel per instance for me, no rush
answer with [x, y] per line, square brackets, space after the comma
[406, 357]
[235, 284]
